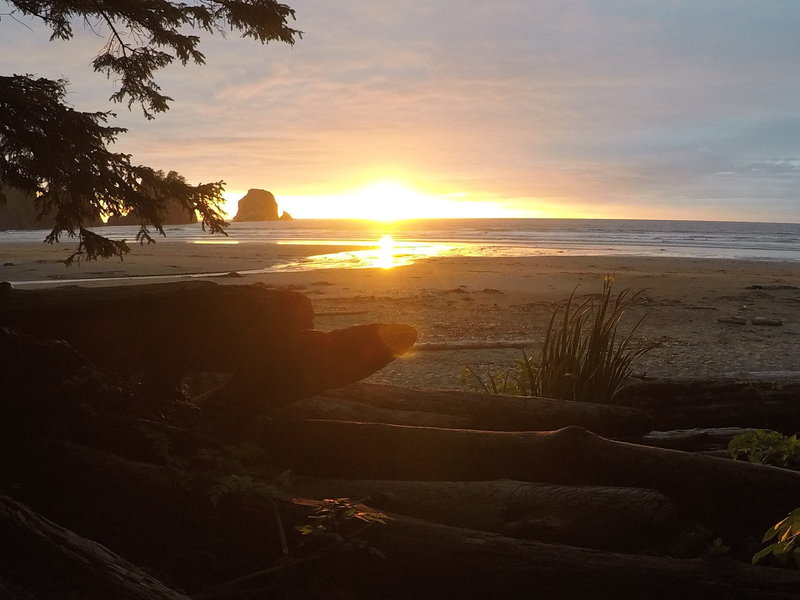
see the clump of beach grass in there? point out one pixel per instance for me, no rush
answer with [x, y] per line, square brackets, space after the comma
[585, 355]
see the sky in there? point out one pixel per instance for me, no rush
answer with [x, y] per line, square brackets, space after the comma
[662, 109]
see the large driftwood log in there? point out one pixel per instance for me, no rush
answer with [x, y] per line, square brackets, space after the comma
[340, 409]
[702, 487]
[610, 518]
[157, 517]
[483, 411]
[688, 403]
[163, 329]
[74, 564]
[427, 560]
[263, 337]
[174, 531]
[448, 562]
[709, 440]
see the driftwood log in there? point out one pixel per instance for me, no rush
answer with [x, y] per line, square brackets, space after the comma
[468, 410]
[610, 518]
[264, 338]
[449, 562]
[200, 546]
[702, 487]
[134, 470]
[698, 439]
[75, 565]
[700, 403]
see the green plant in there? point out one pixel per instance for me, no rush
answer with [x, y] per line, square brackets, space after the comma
[233, 484]
[331, 516]
[584, 356]
[273, 491]
[161, 446]
[717, 548]
[336, 524]
[504, 381]
[232, 458]
[787, 532]
[766, 447]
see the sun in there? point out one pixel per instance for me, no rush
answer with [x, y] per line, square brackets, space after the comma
[388, 201]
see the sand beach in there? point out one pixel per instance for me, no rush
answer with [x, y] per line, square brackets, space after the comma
[467, 309]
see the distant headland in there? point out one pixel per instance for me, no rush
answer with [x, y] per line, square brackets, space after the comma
[19, 211]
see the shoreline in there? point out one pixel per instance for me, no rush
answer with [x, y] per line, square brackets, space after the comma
[476, 302]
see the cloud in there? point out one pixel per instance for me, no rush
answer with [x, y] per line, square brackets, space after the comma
[654, 103]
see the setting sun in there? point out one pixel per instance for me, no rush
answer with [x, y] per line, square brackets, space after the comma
[388, 201]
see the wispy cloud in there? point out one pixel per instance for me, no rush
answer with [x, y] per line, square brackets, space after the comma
[684, 108]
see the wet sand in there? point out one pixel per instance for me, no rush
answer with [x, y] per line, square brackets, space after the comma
[482, 301]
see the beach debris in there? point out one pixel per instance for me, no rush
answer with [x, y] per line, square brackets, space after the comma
[474, 345]
[765, 375]
[772, 287]
[733, 320]
[766, 321]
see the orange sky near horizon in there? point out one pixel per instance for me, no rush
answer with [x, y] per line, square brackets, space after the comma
[390, 200]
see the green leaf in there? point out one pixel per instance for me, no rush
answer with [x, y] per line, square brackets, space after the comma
[761, 554]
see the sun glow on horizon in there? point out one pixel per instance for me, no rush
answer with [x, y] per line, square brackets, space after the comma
[389, 200]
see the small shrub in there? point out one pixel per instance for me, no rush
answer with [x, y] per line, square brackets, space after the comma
[766, 447]
[333, 513]
[787, 533]
[238, 484]
[584, 357]
[502, 381]
[340, 522]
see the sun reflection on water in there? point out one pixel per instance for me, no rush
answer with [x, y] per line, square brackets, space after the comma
[385, 258]
[386, 253]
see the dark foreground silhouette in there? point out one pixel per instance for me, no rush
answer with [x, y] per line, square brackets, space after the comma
[147, 433]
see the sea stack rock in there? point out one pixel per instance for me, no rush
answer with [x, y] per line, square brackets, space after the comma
[257, 205]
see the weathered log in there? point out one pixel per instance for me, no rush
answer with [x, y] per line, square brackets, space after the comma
[425, 560]
[339, 409]
[610, 518]
[73, 563]
[263, 337]
[165, 329]
[688, 403]
[731, 495]
[498, 412]
[711, 439]
[155, 515]
[159, 518]
[313, 361]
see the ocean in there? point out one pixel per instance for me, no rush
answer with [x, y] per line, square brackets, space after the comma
[412, 240]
